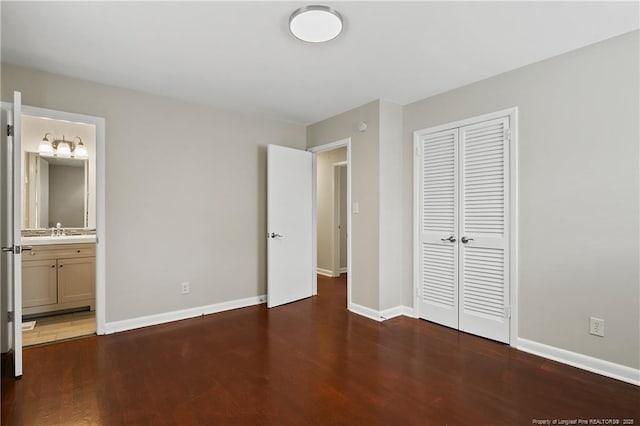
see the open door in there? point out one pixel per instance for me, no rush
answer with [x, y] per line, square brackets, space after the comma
[12, 241]
[290, 269]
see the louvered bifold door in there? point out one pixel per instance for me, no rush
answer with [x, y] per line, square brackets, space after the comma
[484, 222]
[438, 210]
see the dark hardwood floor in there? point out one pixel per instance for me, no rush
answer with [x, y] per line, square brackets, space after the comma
[309, 362]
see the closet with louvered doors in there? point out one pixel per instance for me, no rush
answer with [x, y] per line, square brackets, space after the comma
[463, 245]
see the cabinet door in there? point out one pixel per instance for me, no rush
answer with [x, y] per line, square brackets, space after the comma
[39, 286]
[76, 279]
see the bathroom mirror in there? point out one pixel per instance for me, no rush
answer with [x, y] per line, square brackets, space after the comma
[55, 190]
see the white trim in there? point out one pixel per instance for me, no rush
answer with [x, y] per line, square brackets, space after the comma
[343, 270]
[365, 312]
[321, 148]
[314, 225]
[415, 288]
[383, 315]
[409, 312]
[99, 123]
[585, 362]
[391, 313]
[467, 121]
[325, 272]
[149, 320]
[330, 146]
[512, 113]
[514, 218]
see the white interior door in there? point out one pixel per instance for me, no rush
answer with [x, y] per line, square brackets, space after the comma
[484, 229]
[438, 210]
[12, 242]
[290, 267]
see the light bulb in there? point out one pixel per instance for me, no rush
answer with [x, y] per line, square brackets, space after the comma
[64, 150]
[45, 148]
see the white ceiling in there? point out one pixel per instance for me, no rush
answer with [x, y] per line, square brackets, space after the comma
[239, 56]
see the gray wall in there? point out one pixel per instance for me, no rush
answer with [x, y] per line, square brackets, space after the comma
[185, 192]
[325, 204]
[364, 191]
[578, 192]
[391, 164]
[66, 196]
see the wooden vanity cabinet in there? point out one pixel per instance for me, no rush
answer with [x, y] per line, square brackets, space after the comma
[42, 288]
[57, 277]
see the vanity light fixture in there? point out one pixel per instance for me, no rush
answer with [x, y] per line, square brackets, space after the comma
[315, 23]
[62, 148]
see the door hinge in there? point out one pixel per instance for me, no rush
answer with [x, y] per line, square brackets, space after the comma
[9, 129]
[417, 151]
[417, 292]
[507, 311]
[10, 316]
[507, 135]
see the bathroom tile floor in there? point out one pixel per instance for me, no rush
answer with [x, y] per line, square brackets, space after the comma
[60, 327]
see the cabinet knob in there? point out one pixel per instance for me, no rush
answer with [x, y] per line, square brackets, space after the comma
[78, 251]
[53, 266]
[32, 253]
[61, 266]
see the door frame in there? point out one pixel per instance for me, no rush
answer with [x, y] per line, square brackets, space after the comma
[315, 150]
[512, 113]
[99, 123]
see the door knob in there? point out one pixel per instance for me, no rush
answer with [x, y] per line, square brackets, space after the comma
[274, 235]
[465, 240]
[451, 239]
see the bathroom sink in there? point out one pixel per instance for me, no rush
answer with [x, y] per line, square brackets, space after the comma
[63, 239]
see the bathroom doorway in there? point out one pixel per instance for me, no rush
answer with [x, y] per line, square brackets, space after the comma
[58, 229]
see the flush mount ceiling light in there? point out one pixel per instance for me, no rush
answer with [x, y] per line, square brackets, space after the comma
[315, 24]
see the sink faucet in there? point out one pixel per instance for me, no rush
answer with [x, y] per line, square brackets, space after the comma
[57, 231]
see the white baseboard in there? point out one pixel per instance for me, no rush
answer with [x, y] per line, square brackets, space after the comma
[391, 313]
[343, 270]
[408, 312]
[381, 315]
[146, 321]
[365, 312]
[325, 272]
[585, 362]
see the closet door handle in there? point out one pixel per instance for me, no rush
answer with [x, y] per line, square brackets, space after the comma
[451, 239]
[465, 240]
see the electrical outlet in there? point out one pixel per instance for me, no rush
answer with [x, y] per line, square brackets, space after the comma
[184, 287]
[596, 326]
